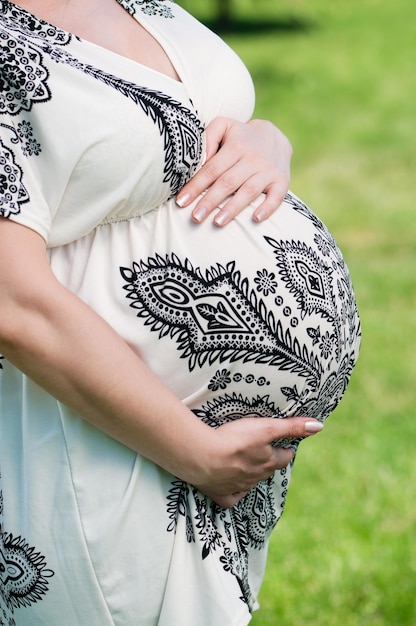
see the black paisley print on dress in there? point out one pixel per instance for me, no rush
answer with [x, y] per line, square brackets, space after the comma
[24, 83]
[149, 7]
[243, 328]
[218, 316]
[24, 576]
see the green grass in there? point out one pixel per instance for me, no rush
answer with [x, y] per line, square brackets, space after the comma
[343, 89]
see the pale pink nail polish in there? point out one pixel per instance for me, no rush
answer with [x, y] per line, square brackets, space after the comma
[260, 216]
[182, 200]
[313, 427]
[222, 218]
[199, 214]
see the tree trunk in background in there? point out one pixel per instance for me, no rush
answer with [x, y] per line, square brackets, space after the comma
[224, 12]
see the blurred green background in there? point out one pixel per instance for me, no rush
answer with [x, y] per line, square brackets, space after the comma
[339, 79]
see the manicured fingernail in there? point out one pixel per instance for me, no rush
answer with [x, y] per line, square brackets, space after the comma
[313, 427]
[182, 200]
[259, 216]
[222, 218]
[199, 214]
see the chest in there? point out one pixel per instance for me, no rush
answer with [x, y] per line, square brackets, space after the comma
[107, 24]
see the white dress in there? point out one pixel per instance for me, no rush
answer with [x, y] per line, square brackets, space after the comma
[249, 319]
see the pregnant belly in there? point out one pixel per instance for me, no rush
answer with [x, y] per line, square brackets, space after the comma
[249, 319]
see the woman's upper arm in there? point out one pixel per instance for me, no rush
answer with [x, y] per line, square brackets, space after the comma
[24, 272]
[19, 245]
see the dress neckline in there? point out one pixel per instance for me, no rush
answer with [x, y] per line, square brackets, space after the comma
[155, 33]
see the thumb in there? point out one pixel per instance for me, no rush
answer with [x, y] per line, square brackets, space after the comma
[214, 135]
[290, 427]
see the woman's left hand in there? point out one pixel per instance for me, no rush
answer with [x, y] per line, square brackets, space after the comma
[243, 160]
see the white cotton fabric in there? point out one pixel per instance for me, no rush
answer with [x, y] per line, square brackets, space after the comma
[250, 319]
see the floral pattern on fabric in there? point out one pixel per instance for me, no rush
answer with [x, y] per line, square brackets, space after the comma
[234, 329]
[149, 7]
[229, 534]
[24, 83]
[23, 573]
[286, 316]
[12, 190]
[214, 315]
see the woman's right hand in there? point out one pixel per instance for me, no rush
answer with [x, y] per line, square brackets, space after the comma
[240, 454]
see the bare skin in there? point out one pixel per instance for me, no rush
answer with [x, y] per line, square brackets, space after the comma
[243, 160]
[63, 345]
[107, 24]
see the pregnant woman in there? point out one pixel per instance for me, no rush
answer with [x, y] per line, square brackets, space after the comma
[145, 352]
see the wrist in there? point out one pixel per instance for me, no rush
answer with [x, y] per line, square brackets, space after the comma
[200, 455]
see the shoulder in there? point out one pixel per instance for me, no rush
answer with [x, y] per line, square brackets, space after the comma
[163, 8]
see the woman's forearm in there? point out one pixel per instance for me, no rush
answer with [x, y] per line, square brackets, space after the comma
[74, 355]
[71, 352]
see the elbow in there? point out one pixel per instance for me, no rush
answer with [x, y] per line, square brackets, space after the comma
[18, 320]
[9, 333]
